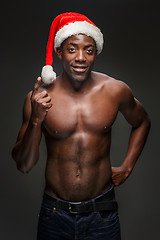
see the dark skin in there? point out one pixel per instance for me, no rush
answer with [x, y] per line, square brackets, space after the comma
[76, 114]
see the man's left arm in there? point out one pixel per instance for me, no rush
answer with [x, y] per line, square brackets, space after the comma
[135, 114]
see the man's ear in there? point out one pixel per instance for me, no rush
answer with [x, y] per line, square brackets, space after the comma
[59, 52]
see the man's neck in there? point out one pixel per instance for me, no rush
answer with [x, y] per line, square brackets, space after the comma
[76, 86]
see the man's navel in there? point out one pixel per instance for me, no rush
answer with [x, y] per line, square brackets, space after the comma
[78, 173]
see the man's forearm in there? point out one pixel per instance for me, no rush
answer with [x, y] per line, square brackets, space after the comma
[26, 150]
[137, 141]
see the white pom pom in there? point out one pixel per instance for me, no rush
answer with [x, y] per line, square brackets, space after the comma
[48, 75]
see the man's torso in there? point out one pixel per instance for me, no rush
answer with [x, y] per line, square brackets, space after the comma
[77, 130]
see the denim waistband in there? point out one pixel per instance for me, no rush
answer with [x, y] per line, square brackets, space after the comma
[105, 201]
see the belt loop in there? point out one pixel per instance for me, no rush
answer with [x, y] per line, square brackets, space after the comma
[94, 205]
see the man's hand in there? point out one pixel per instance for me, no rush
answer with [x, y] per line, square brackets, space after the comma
[40, 102]
[119, 175]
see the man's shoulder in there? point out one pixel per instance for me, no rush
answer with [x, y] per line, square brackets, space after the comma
[111, 82]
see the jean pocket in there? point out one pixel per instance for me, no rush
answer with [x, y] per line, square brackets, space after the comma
[108, 216]
[46, 212]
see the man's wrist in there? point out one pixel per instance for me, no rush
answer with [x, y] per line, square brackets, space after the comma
[127, 168]
[35, 121]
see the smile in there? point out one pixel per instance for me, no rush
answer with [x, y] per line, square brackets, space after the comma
[79, 68]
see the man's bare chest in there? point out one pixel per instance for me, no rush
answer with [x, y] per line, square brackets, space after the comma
[91, 113]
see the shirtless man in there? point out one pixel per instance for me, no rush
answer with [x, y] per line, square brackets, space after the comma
[76, 113]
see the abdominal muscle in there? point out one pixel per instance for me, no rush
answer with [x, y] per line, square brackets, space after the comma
[78, 170]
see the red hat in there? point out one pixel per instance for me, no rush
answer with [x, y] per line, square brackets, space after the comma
[66, 25]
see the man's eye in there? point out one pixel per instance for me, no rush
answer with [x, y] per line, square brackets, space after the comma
[90, 51]
[71, 50]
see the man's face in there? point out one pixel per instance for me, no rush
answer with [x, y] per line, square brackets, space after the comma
[78, 54]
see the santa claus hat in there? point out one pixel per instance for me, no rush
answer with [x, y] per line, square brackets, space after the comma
[64, 26]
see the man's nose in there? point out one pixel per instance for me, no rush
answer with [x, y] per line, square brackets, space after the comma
[80, 57]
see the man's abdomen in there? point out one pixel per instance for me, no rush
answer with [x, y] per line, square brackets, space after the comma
[80, 167]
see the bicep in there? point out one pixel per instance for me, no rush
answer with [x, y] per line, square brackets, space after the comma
[132, 110]
[26, 117]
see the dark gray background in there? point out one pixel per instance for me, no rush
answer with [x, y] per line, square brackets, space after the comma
[131, 53]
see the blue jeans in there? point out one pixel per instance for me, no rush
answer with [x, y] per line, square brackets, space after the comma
[56, 224]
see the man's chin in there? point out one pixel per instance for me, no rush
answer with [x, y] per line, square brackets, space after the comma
[79, 77]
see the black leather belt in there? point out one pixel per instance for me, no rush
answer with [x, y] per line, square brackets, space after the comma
[106, 202]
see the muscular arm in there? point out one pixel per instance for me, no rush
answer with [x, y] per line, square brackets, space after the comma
[26, 150]
[136, 115]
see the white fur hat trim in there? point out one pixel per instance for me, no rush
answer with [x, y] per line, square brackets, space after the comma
[80, 27]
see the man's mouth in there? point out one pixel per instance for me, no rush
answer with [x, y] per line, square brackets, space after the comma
[79, 68]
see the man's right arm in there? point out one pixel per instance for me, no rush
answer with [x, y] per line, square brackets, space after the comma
[26, 150]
